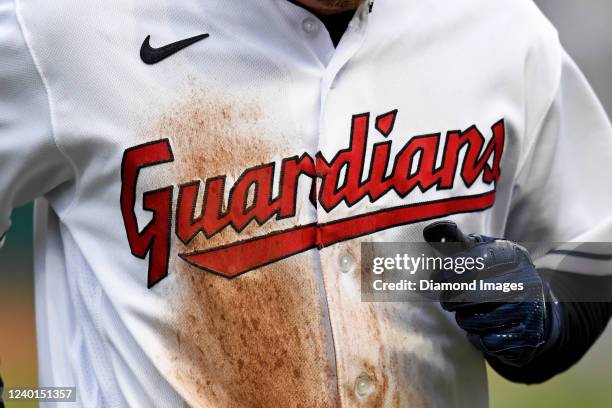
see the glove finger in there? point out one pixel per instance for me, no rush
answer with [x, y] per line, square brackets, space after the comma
[512, 348]
[517, 284]
[499, 290]
[489, 318]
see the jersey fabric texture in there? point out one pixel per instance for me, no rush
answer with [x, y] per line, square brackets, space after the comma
[199, 220]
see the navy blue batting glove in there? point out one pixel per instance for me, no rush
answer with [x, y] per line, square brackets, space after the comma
[511, 326]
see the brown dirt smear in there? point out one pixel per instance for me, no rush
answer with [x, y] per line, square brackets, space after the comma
[261, 339]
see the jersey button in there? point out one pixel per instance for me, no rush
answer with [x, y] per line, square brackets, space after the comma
[364, 386]
[310, 25]
[346, 263]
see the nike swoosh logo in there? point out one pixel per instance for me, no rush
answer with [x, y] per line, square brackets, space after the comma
[150, 55]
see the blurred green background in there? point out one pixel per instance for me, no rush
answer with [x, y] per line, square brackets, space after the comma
[17, 328]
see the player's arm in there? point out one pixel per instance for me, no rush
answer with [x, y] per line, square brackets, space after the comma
[560, 194]
[577, 325]
[31, 162]
[531, 334]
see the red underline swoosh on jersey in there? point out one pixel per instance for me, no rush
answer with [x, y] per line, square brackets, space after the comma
[243, 256]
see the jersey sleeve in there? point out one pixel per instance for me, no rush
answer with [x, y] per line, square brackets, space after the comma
[563, 190]
[31, 163]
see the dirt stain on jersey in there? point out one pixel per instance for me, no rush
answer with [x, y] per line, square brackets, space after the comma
[375, 350]
[261, 339]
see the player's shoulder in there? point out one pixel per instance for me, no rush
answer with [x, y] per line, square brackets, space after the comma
[514, 32]
[522, 24]
[525, 44]
[53, 16]
[49, 25]
[518, 22]
[530, 37]
[514, 26]
[66, 36]
[524, 19]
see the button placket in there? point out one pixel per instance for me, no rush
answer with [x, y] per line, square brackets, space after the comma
[341, 263]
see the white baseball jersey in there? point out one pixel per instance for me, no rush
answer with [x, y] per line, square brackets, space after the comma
[203, 202]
